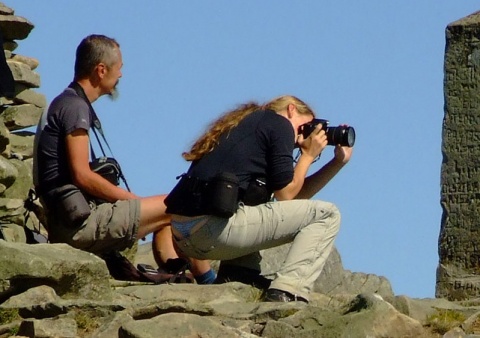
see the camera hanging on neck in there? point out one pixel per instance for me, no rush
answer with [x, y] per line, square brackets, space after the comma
[105, 166]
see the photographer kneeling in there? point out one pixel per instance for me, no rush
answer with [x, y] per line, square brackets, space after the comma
[222, 209]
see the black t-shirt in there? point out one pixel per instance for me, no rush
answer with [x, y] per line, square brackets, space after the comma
[260, 146]
[67, 113]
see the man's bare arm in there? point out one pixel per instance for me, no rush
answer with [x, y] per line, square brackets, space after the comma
[77, 144]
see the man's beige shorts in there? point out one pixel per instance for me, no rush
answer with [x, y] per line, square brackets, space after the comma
[110, 226]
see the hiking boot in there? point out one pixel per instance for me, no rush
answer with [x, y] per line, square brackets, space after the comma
[235, 273]
[275, 295]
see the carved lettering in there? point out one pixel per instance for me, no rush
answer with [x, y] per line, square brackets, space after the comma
[459, 240]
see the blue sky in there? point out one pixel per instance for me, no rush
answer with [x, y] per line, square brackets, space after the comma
[376, 65]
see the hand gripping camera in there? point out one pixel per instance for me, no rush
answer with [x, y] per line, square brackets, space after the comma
[344, 136]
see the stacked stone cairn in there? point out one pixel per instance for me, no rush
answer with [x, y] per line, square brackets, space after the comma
[19, 115]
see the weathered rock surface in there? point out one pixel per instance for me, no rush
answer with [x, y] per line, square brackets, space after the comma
[69, 272]
[21, 116]
[14, 27]
[53, 290]
[25, 95]
[334, 278]
[20, 111]
[23, 74]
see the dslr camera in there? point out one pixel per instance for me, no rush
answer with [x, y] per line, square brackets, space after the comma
[344, 136]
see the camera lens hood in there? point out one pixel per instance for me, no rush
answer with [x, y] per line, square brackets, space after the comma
[344, 136]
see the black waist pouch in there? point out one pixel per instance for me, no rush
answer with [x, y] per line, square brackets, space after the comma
[187, 197]
[256, 193]
[69, 203]
[193, 196]
[223, 194]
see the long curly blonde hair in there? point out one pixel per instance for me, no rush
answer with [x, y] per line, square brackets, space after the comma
[230, 119]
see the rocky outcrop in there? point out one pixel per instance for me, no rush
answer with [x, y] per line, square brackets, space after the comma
[69, 273]
[53, 290]
[333, 280]
[459, 242]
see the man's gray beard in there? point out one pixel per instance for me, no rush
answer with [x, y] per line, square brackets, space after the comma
[113, 95]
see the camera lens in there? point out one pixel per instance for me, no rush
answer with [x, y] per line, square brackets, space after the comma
[344, 136]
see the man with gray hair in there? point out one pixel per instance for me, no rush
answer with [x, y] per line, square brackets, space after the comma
[63, 160]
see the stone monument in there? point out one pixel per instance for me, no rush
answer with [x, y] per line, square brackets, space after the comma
[458, 272]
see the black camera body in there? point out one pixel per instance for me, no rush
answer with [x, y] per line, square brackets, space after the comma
[344, 136]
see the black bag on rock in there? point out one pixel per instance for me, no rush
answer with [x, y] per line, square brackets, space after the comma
[121, 268]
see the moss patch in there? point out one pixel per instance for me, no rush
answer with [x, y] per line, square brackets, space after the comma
[8, 315]
[444, 320]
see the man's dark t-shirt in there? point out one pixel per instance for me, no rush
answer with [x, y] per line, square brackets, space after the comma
[260, 146]
[67, 113]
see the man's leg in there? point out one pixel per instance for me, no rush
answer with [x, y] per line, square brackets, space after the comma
[154, 219]
[162, 245]
[152, 215]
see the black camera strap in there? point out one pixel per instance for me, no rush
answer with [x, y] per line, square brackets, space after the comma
[299, 152]
[96, 125]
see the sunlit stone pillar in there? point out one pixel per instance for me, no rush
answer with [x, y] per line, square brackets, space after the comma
[458, 272]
